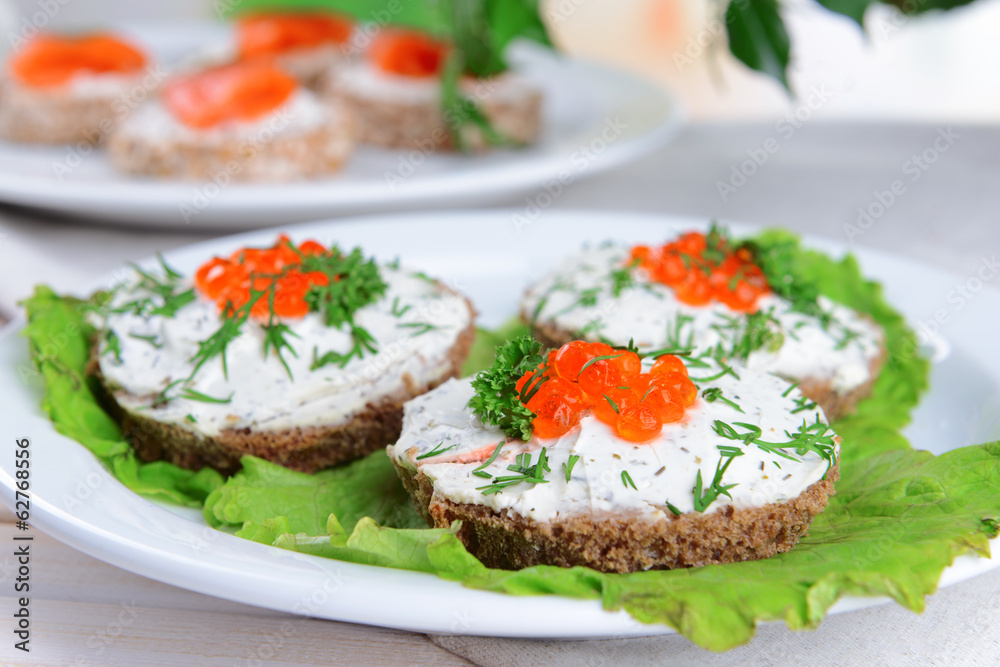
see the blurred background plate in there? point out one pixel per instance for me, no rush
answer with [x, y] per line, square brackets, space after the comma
[595, 118]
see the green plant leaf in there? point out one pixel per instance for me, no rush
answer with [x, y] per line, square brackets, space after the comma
[854, 9]
[758, 38]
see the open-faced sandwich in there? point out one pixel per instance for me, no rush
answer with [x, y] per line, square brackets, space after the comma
[244, 121]
[305, 44]
[299, 354]
[397, 94]
[591, 455]
[68, 89]
[706, 293]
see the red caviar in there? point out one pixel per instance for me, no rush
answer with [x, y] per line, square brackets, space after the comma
[265, 35]
[227, 281]
[51, 60]
[584, 378]
[407, 52]
[244, 92]
[703, 268]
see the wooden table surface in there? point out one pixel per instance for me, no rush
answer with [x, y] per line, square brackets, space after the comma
[85, 612]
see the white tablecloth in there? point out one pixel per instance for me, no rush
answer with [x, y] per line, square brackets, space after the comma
[923, 192]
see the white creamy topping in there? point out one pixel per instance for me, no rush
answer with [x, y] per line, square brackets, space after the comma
[578, 296]
[302, 112]
[663, 470]
[157, 350]
[364, 80]
[111, 84]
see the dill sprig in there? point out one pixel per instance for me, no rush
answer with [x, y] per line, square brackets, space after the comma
[232, 323]
[438, 449]
[524, 471]
[113, 344]
[759, 330]
[713, 394]
[353, 283]
[703, 497]
[361, 342]
[193, 395]
[419, 328]
[814, 437]
[569, 465]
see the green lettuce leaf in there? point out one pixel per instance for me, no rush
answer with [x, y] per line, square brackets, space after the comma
[875, 426]
[264, 490]
[59, 341]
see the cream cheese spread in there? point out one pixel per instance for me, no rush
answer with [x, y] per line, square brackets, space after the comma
[414, 324]
[362, 79]
[301, 112]
[578, 296]
[663, 471]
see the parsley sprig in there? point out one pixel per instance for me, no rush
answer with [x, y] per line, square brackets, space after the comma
[497, 400]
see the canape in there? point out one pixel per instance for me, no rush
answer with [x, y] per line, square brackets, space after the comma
[246, 121]
[306, 44]
[396, 93]
[589, 456]
[705, 292]
[69, 89]
[299, 354]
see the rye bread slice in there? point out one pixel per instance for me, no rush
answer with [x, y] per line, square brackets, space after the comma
[622, 543]
[306, 449]
[818, 389]
[420, 124]
[267, 156]
[46, 116]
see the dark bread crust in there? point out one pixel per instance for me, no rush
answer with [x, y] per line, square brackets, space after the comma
[54, 117]
[306, 449]
[819, 389]
[300, 155]
[620, 543]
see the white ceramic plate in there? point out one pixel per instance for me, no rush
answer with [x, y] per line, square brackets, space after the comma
[491, 257]
[594, 119]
